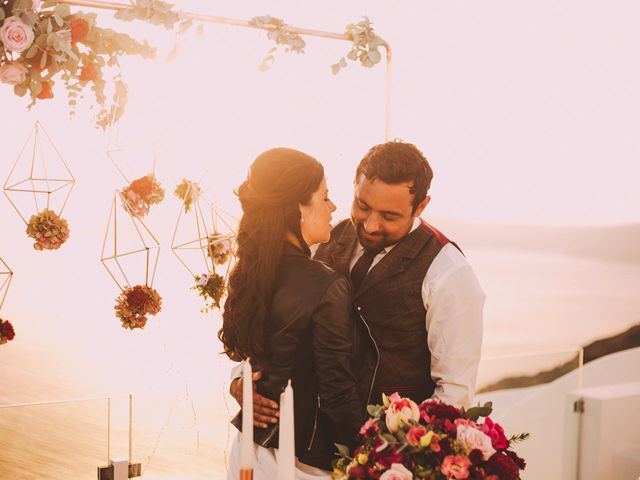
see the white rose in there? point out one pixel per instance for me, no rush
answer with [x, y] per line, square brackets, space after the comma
[397, 472]
[13, 73]
[400, 412]
[16, 35]
[474, 438]
[35, 4]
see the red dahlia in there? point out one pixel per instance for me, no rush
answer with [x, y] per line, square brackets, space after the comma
[503, 466]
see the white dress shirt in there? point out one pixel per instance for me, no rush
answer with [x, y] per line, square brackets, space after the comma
[454, 301]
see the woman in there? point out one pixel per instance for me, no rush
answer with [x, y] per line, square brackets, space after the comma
[292, 316]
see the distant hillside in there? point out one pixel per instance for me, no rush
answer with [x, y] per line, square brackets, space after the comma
[605, 346]
[619, 243]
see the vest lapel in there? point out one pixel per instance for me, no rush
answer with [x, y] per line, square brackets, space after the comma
[391, 264]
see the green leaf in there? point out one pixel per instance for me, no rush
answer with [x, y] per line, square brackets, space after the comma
[20, 90]
[63, 11]
[480, 411]
[33, 49]
[35, 86]
[29, 17]
[43, 60]
[186, 25]
[374, 410]
[342, 449]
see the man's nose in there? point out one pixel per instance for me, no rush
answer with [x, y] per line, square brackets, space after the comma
[371, 224]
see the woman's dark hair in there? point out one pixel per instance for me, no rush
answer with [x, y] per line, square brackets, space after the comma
[396, 162]
[279, 181]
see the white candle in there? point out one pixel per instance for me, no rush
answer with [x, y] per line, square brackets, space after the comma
[286, 438]
[246, 438]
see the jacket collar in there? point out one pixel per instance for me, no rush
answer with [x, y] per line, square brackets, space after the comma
[290, 249]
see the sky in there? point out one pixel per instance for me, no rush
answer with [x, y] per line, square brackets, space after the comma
[527, 113]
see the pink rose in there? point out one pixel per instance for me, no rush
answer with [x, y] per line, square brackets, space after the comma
[16, 35]
[496, 433]
[415, 434]
[13, 73]
[370, 426]
[474, 438]
[397, 472]
[400, 412]
[456, 467]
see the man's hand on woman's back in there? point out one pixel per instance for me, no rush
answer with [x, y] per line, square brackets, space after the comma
[265, 410]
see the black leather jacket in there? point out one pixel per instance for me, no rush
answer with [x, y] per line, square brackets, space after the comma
[326, 351]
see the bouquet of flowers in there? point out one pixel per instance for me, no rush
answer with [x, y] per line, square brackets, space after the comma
[431, 441]
[211, 288]
[48, 230]
[188, 192]
[43, 42]
[141, 194]
[135, 303]
[219, 250]
[6, 332]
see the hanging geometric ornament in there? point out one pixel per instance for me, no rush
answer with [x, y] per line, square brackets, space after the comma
[212, 249]
[6, 329]
[36, 175]
[141, 193]
[129, 249]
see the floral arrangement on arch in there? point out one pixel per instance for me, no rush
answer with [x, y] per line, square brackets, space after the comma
[48, 230]
[431, 441]
[135, 304]
[43, 42]
[141, 194]
[7, 333]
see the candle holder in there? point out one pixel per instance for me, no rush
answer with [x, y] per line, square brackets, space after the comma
[38, 173]
[246, 474]
[108, 472]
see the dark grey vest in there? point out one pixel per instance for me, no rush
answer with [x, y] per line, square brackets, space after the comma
[390, 302]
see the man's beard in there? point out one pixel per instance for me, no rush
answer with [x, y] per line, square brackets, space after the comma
[375, 241]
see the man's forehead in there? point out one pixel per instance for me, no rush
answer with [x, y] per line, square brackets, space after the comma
[384, 196]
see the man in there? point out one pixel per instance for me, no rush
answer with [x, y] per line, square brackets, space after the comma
[411, 285]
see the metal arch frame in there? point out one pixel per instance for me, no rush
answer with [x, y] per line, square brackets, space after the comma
[244, 23]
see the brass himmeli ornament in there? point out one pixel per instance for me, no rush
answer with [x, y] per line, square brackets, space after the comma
[5, 281]
[114, 253]
[211, 231]
[41, 177]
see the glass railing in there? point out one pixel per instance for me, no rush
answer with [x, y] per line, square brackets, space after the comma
[65, 439]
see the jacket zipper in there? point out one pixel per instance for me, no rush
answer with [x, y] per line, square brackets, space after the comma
[375, 370]
[315, 425]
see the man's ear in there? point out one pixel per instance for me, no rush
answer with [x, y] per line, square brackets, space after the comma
[421, 206]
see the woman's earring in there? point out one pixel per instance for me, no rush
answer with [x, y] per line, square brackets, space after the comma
[302, 219]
